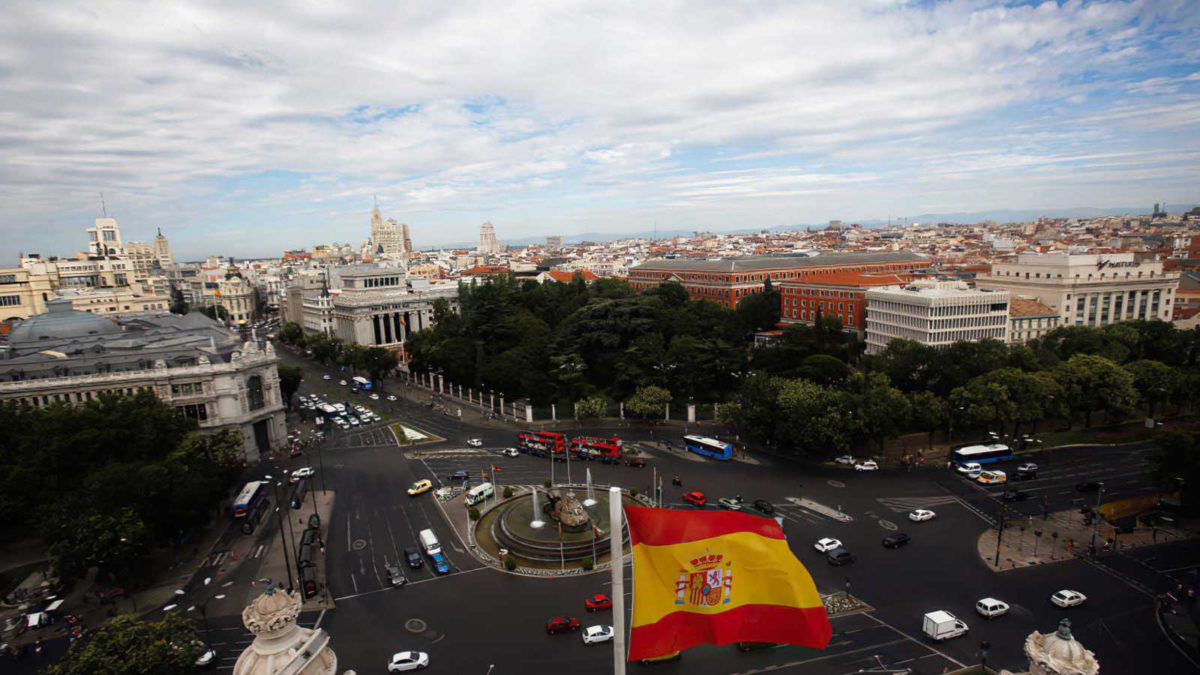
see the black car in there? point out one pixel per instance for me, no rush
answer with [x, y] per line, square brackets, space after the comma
[460, 475]
[1014, 496]
[1088, 486]
[764, 506]
[414, 557]
[896, 540]
[840, 556]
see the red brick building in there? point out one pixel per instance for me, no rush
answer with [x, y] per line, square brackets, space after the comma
[840, 294]
[728, 281]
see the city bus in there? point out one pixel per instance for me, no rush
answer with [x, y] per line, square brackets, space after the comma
[708, 447]
[982, 454]
[479, 493]
[250, 496]
[590, 447]
[542, 443]
[362, 383]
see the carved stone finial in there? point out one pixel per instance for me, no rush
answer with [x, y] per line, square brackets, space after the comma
[1064, 630]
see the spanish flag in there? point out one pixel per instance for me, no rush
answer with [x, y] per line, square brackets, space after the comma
[717, 577]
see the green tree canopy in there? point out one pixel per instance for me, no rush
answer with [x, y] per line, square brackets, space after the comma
[649, 401]
[289, 382]
[130, 646]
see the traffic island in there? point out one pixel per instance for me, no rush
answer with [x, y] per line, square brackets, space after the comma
[408, 435]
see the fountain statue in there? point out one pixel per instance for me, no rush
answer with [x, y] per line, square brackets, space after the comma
[565, 508]
[536, 523]
[591, 496]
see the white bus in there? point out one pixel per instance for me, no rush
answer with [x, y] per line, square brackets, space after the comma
[362, 383]
[982, 454]
[479, 493]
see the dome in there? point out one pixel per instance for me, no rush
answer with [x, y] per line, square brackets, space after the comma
[60, 322]
[1059, 653]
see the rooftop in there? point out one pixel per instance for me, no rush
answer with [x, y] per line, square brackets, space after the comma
[761, 263]
[1029, 307]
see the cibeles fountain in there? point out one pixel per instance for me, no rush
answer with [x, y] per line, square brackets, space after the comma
[548, 527]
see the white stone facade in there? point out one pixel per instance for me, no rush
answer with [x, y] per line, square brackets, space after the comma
[379, 307]
[935, 313]
[1091, 289]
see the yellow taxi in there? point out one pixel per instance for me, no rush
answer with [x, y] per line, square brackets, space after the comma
[420, 487]
[992, 478]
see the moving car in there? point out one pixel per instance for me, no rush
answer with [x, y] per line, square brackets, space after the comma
[326, 377]
[460, 475]
[845, 459]
[991, 607]
[405, 661]
[475, 442]
[413, 556]
[597, 602]
[207, 658]
[866, 465]
[1067, 598]
[1027, 470]
[1088, 486]
[637, 462]
[395, 575]
[374, 397]
[731, 503]
[306, 472]
[391, 397]
[992, 478]
[942, 625]
[342, 383]
[765, 507]
[695, 498]
[896, 540]
[921, 515]
[970, 469]
[561, 624]
[597, 634]
[1014, 496]
[420, 487]
[440, 564]
[840, 556]
[510, 452]
[825, 545]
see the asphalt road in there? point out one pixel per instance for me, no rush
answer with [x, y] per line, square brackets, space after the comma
[477, 617]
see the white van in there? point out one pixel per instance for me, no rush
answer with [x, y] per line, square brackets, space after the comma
[970, 470]
[479, 493]
[429, 542]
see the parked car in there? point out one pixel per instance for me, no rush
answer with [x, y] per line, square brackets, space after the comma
[561, 624]
[395, 575]
[840, 556]
[866, 465]
[895, 540]
[1068, 598]
[597, 634]
[991, 607]
[413, 557]
[921, 515]
[402, 662]
[827, 544]
[597, 602]
[848, 460]
[731, 503]
[695, 498]
[763, 506]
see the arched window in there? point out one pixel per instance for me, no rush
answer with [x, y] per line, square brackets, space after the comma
[254, 392]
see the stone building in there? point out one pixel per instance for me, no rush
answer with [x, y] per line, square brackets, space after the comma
[380, 306]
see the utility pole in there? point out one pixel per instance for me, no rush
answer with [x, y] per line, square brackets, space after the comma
[1000, 534]
[1096, 517]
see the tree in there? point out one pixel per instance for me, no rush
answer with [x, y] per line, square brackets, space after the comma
[824, 369]
[759, 311]
[131, 646]
[812, 419]
[1175, 465]
[1154, 381]
[1093, 383]
[117, 543]
[291, 333]
[592, 406]
[929, 412]
[216, 312]
[879, 410]
[649, 401]
[378, 362]
[289, 382]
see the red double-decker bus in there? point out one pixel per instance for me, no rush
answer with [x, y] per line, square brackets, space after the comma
[542, 443]
[590, 447]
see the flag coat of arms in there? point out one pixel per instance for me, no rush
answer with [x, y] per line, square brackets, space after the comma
[717, 577]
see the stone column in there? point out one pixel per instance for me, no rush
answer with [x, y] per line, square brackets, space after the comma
[553, 413]
[529, 414]
[691, 413]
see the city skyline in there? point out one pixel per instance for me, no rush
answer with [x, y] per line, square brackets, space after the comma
[234, 130]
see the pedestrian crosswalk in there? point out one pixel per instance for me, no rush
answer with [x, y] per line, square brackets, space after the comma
[218, 558]
[906, 504]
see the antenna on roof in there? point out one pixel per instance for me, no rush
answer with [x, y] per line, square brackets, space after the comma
[103, 208]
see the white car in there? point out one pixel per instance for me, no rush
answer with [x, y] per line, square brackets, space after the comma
[971, 469]
[306, 472]
[826, 545]
[730, 503]
[990, 607]
[405, 661]
[374, 397]
[326, 377]
[597, 634]
[207, 658]
[475, 442]
[391, 397]
[845, 459]
[866, 465]
[1066, 598]
[921, 515]
[509, 452]
[342, 383]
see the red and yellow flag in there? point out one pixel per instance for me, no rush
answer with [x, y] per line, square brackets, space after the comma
[717, 577]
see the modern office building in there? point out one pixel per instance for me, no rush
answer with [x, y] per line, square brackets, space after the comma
[727, 281]
[1089, 289]
[190, 362]
[935, 313]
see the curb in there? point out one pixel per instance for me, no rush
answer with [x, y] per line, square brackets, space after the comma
[1173, 637]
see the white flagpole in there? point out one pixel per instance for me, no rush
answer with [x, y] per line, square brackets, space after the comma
[616, 563]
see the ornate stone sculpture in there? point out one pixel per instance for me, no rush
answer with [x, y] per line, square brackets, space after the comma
[564, 508]
[281, 646]
[1058, 653]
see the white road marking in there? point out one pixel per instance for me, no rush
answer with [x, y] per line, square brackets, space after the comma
[914, 640]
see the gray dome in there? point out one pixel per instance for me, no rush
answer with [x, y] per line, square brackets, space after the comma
[58, 323]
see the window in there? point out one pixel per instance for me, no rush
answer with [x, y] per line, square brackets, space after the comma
[187, 389]
[197, 412]
[9, 300]
[254, 392]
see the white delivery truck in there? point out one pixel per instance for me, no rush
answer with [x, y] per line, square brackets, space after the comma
[942, 625]
[429, 542]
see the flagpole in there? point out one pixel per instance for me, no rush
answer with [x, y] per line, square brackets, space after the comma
[616, 564]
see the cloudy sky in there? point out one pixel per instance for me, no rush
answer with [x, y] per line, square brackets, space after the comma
[244, 128]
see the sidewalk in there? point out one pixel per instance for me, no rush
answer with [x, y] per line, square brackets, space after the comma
[1033, 541]
[1180, 620]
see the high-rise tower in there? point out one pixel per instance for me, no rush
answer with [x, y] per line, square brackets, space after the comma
[487, 240]
[162, 250]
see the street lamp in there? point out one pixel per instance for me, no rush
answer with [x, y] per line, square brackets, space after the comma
[1096, 517]
[287, 564]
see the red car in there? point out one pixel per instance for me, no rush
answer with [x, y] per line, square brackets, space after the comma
[637, 462]
[695, 498]
[561, 624]
[597, 602]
